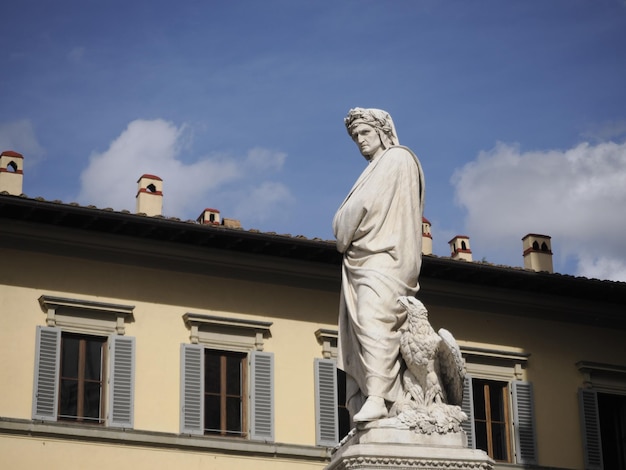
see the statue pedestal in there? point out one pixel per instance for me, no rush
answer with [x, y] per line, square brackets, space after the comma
[378, 447]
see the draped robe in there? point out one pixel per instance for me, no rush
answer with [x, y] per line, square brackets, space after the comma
[379, 231]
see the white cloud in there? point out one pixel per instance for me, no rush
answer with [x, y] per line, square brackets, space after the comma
[20, 137]
[263, 159]
[268, 200]
[155, 147]
[606, 130]
[577, 196]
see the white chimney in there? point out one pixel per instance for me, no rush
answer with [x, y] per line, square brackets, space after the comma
[150, 195]
[460, 248]
[537, 252]
[209, 216]
[11, 172]
[427, 238]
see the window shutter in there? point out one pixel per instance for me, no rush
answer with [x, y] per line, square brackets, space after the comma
[326, 402]
[468, 408]
[191, 389]
[46, 383]
[590, 423]
[121, 381]
[524, 422]
[262, 396]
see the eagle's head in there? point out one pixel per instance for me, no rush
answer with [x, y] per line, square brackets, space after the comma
[414, 307]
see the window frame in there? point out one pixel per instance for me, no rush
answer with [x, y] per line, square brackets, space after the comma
[85, 318]
[598, 378]
[507, 365]
[489, 421]
[80, 379]
[118, 373]
[228, 335]
[223, 395]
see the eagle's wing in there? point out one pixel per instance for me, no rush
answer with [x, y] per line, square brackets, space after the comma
[451, 367]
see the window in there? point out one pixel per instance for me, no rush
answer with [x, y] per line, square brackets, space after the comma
[81, 378]
[225, 393]
[499, 404]
[491, 418]
[84, 366]
[70, 374]
[603, 415]
[227, 390]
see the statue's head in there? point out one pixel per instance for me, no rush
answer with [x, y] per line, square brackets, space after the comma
[379, 120]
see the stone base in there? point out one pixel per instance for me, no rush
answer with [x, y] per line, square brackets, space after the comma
[375, 447]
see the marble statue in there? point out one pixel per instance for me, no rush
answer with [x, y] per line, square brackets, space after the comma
[399, 370]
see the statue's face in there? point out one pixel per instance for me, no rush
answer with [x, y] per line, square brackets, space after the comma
[368, 141]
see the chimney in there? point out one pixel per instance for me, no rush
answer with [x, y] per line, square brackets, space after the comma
[212, 217]
[11, 172]
[209, 216]
[231, 223]
[150, 195]
[427, 238]
[537, 252]
[460, 248]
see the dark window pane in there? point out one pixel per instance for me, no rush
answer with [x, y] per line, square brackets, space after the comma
[341, 387]
[342, 411]
[496, 400]
[69, 359]
[93, 360]
[481, 435]
[69, 398]
[344, 422]
[233, 415]
[233, 375]
[499, 442]
[612, 414]
[212, 413]
[478, 387]
[211, 372]
[91, 407]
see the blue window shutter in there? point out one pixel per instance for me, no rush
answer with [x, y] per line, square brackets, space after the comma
[191, 389]
[326, 433]
[524, 422]
[590, 424]
[121, 381]
[46, 383]
[262, 396]
[468, 408]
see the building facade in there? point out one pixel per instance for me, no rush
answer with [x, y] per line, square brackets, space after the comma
[135, 341]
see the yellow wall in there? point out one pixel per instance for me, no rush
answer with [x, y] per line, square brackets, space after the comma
[25, 453]
[162, 297]
[554, 349]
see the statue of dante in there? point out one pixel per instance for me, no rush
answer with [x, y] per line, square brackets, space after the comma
[378, 230]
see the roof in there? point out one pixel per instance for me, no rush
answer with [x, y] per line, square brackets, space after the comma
[190, 232]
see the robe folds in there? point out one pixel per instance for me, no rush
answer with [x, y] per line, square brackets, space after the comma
[379, 231]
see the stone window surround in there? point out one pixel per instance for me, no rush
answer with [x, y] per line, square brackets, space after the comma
[86, 316]
[494, 363]
[328, 339]
[224, 333]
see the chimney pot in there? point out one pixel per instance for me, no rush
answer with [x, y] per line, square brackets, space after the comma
[150, 195]
[427, 238]
[460, 248]
[11, 172]
[537, 252]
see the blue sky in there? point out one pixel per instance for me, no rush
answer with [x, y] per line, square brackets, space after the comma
[517, 110]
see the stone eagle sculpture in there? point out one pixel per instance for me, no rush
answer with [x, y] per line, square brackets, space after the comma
[434, 375]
